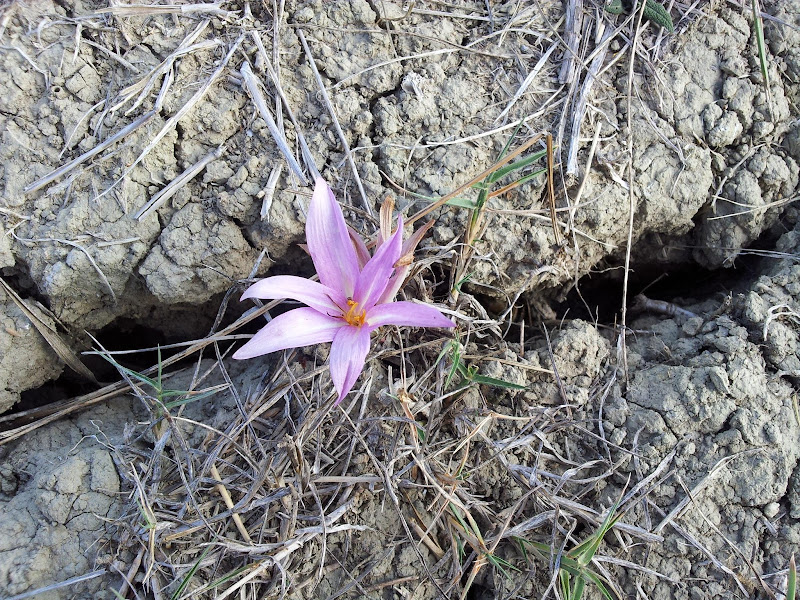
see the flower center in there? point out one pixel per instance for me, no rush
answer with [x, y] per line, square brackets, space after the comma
[353, 316]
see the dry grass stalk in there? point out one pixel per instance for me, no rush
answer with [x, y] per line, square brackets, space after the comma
[77, 245]
[288, 483]
[45, 74]
[179, 114]
[308, 158]
[144, 86]
[736, 551]
[36, 316]
[258, 99]
[579, 109]
[777, 311]
[161, 197]
[59, 410]
[697, 545]
[631, 188]
[72, 581]
[109, 52]
[367, 205]
[64, 169]
[527, 81]
[573, 22]
[479, 177]
[692, 495]
[576, 200]
[294, 466]
[453, 47]
[146, 10]
[226, 497]
[268, 193]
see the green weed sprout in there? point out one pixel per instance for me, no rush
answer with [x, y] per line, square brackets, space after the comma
[469, 530]
[166, 399]
[477, 224]
[653, 11]
[468, 373]
[574, 566]
[188, 577]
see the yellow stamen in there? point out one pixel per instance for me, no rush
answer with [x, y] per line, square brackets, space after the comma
[352, 316]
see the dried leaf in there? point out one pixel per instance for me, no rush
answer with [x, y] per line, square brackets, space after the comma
[59, 346]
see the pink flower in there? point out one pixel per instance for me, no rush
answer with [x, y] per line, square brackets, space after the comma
[354, 297]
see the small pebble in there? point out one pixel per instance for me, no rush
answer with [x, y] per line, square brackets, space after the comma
[771, 509]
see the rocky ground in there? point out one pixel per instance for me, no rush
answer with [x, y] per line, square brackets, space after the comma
[155, 161]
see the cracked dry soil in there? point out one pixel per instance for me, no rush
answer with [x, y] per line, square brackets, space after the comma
[426, 95]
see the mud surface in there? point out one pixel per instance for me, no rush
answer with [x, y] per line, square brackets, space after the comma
[692, 423]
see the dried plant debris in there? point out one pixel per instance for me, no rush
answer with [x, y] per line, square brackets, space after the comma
[194, 104]
[437, 484]
[155, 162]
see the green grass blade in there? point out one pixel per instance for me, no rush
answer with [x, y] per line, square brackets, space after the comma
[501, 565]
[523, 549]
[563, 580]
[542, 548]
[143, 378]
[160, 366]
[513, 135]
[148, 523]
[186, 399]
[455, 347]
[462, 203]
[577, 591]
[188, 577]
[516, 165]
[584, 552]
[461, 550]
[533, 175]
[600, 583]
[791, 583]
[572, 567]
[483, 198]
[463, 280]
[569, 568]
[501, 383]
[227, 577]
[220, 580]
[446, 349]
[457, 514]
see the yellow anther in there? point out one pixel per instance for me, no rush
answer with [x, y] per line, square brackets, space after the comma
[352, 316]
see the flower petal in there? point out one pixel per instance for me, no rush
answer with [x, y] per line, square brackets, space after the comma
[329, 242]
[406, 313]
[394, 284]
[293, 329]
[398, 278]
[316, 295]
[375, 276]
[385, 229]
[348, 355]
[410, 245]
[361, 248]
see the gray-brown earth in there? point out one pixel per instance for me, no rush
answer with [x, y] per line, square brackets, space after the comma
[426, 94]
